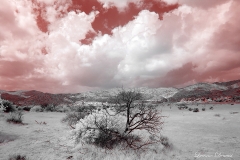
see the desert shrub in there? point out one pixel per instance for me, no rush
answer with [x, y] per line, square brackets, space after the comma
[203, 109]
[15, 117]
[8, 106]
[217, 115]
[166, 143]
[190, 109]
[211, 108]
[36, 109]
[49, 108]
[26, 108]
[125, 122]
[17, 157]
[195, 110]
[73, 117]
[182, 106]
[106, 131]
[100, 129]
[106, 139]
[233, 112]
[62, 109]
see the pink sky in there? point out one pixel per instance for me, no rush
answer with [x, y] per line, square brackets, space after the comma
[61, 46]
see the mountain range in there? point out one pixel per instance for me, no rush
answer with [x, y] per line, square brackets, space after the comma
[227, 92]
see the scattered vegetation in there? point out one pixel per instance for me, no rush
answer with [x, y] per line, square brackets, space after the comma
[211, 108]
[50, 108]
[203, 109]
[84, 109]
[182, 106]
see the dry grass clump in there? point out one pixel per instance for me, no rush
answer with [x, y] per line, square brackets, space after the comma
[73, 117]
[17, 157]
[166, 143]
[217, 115]
[233, 112]
[195, 110]
[15, 117]
[4, 137]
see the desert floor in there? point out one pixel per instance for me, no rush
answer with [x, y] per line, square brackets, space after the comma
[210, 134]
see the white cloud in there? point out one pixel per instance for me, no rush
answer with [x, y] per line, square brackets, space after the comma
[120, 4]
[146, 48]
[198, 3]
[143, 49]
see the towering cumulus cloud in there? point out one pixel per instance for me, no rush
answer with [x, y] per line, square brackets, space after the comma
[76, 45]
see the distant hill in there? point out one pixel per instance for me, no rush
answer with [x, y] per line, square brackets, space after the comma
[200, 92]
[218, 92]
[25, 98]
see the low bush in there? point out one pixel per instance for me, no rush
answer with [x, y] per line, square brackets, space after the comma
[190, 109]
[182, 106]
[166, 143]
[211, 108]
[203, 109]
[62, 109]
[26, 108]
[217, 115]
[8, 106]
[15, 117]
[100, 129]
[49, 108]
[106, 138]
[36, 109]
[17, 157]
[106, 131]
[195, 110]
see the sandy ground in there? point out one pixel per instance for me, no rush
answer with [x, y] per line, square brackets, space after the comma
[210, 134]
[206, 133]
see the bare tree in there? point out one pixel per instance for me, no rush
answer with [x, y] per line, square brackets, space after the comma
[139, 114]
[129, 105]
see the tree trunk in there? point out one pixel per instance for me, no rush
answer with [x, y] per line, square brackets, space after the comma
[128, 118]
